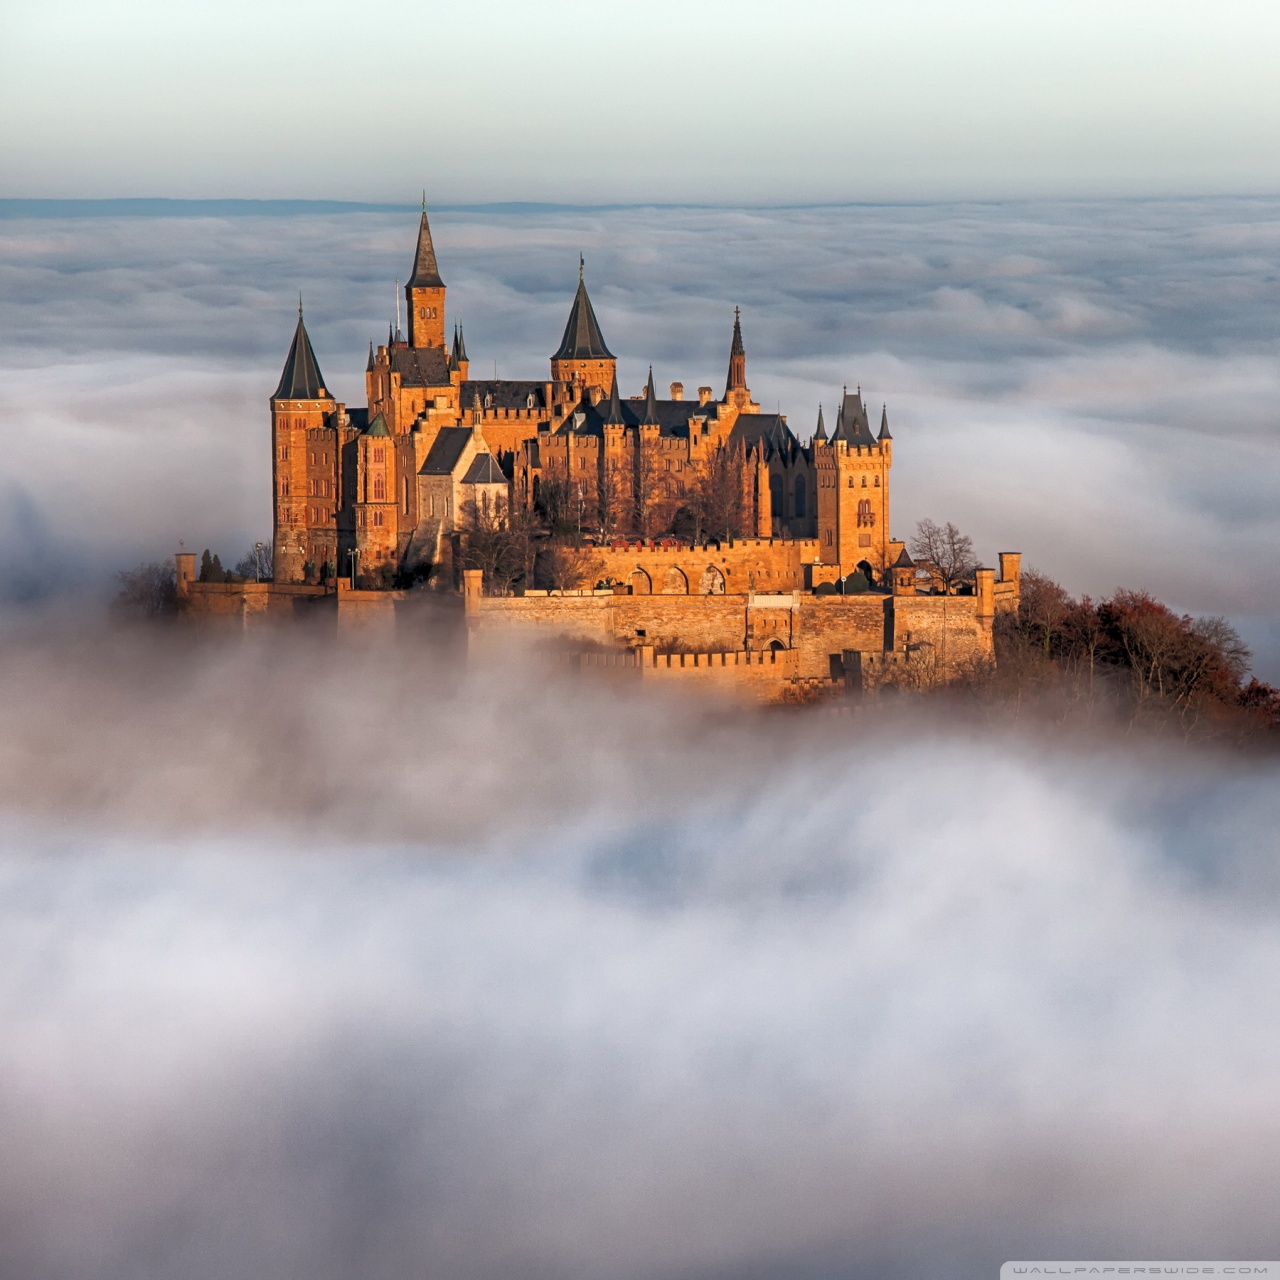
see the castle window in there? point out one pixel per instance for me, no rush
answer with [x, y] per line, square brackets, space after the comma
[379, 488]
[379, 455]
[405, 494]
[850, 482]
[377, 519]
[877, 482]
[284, 486]
[284, 453]
[864, 482]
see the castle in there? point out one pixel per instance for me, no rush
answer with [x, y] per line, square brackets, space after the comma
[712, 531]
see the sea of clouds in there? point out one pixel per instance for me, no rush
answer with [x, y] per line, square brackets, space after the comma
[342, 960]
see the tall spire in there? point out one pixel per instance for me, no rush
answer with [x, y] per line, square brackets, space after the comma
[369, 367]
[650, 418]
[737, 380]
[301, 379]
[884, 424]
[459, 345]
[582, 337]
[821, 432]
[426, 272]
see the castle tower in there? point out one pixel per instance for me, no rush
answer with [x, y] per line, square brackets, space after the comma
[853, 489]
[425, 292]
[582, 355]
[301, 404]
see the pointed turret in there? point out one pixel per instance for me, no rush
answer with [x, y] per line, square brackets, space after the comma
[884, 424]
[614, 417]
[820, 432]
[459, 346]
[582, 353]
[425, 291]
[301, 379]
[650, 418]
[369, 366]
[851, 423]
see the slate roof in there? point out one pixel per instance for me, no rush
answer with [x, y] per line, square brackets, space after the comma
[884, 424]
[904, 561]
[484, 469]
[420, 366]
[446, 450]
[582, 337]
[506, 394]
[301, 379]
[378, 427]
[767, 429]
[821, 432]
[672, 416]
[851, 424]
[426, 272]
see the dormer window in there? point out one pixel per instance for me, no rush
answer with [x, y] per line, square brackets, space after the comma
[530, 401]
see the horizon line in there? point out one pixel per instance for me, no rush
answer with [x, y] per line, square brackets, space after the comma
[12, 207]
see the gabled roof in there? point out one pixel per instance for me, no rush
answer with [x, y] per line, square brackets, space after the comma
[582, 337]
[426, 272]
[446, 450]
[378, 427]
[484, 469]
[851, 425]
[420, 366]
[301, 379]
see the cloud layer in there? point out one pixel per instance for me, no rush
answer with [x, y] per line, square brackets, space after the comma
[607, 987]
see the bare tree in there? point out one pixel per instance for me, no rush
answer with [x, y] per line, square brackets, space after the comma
[945, 551]
[718, 502]
[495, 541]
[255, 564]
[643, 496]
[149, 591]
[567, 565]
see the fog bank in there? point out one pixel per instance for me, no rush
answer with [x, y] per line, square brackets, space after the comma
[307, 969]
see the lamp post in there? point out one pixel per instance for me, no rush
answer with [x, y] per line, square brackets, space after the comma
[353, 555]
[257, 562]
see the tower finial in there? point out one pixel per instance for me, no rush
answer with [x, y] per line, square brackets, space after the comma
[299, 304]
[582, 268]
[424, 199]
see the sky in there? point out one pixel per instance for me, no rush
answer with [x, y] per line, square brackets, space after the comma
[595, 101]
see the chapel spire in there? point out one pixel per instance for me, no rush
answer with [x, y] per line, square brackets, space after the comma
[735, 387]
